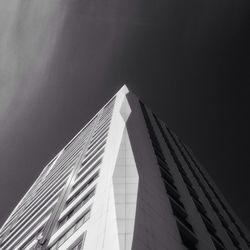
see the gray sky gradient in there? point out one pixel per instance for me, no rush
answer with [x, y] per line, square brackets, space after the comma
[60, 61]
[29, 32]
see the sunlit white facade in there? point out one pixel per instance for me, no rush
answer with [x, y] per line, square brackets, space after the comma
[125, 181]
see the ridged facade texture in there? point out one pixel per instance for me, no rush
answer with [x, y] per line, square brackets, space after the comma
[125, 181]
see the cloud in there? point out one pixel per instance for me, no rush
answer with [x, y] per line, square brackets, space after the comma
[29, 31]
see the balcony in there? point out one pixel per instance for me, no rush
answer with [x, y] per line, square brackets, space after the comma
[188, 238]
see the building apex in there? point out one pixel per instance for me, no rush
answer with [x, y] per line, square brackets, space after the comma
[124, 89]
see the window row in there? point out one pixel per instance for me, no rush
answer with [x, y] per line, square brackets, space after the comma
[94, 151]
[83, 188]
[94, 161]
[102, 123]
[52, 178]
[107, 112]
[34, 236]
[85, 199]
[28, 220]
[41, 200]
[85, 216]
[28, 223]
[235, 242]
[104, 130]
[208, 223]
[64, 162]
[17, 238]
[98, 141]
[82, 135]
[93, 157]
[101, 126]
[217, 241]
[109, 103]
[68, 233]
[83, 177]
[78, 244]
[174, 197]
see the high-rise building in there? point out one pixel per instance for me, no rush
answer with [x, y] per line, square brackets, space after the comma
[125, 181]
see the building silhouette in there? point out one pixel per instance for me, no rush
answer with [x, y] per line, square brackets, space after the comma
[125, 181]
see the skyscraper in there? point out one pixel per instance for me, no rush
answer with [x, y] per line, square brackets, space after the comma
[125, 181]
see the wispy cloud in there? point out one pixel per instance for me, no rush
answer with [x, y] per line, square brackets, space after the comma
[28, 35]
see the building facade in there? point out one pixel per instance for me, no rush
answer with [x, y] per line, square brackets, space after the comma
[125, 181]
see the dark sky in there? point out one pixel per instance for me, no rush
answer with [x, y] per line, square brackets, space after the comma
[187, 60]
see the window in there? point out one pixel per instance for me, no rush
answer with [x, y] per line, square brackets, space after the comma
[80, 179]
[89, 163]
[90, 159]
[72, 212]
[97, 141]
[78, 244]
[32, 238]
[102, 123]
[83, 188]
[99, 132]
[88, 196]
[188, 239]
[82, 170]
[66, 236]
[181, 215]
[232, 237]
[82, 132]
[217, 245]
[94, 149]
[186, 231]
[109, 103]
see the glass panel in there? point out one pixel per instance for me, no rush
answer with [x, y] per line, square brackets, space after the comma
[54, 247]
[60, 241]
[87, 215]
[79, 223]
[78, 247]
[69, 233]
